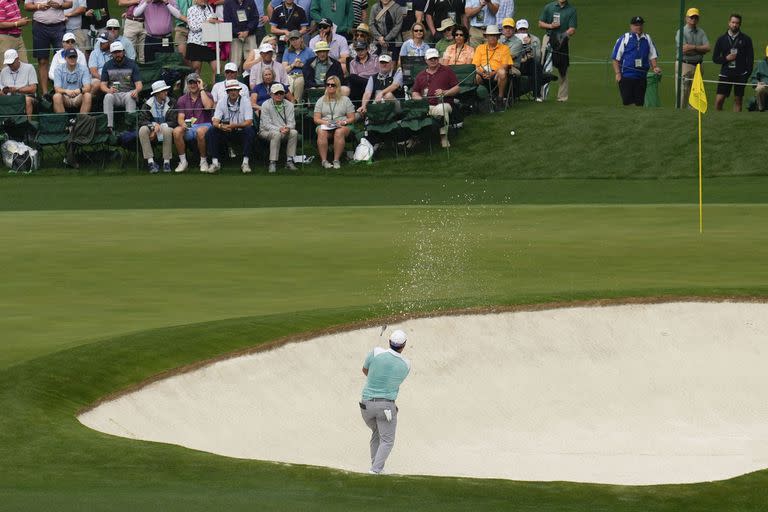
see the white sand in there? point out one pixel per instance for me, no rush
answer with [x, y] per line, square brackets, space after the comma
[635, 394]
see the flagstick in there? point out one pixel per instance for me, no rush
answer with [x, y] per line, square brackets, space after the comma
[701, 209]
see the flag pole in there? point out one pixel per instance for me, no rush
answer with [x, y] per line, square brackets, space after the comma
[701, 202]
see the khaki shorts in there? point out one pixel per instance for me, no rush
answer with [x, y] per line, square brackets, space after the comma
[75, 102]
[16, 43]
[180, 35]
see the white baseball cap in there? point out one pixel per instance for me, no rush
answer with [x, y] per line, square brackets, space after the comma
[276, 88]
[117, 46]
[10, 56]
[521, 24]
[69, 36]
[230, 66]
[432, 53]
[113, 23]
[231, 84]
[266, 48]
[398, 338]
[385, 57]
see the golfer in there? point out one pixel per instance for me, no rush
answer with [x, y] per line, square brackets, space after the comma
[386, 370]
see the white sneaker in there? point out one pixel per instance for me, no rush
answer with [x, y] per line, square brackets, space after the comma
[336, 164]
[327, 164]
[182, 166]
[245, 168]
[203, 165]
[214, 167]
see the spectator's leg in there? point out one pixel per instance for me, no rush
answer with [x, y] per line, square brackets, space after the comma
[201, 141]
[134, 32]
[298, 88]
[42, 68]
[87, 102]
[58, 103]
[30, 106]
[339, 141]
[761, 92]
[109, 109]
[248, 135]
[129, 101]
[322, 144]
[167, 132]
[178, 139]
[236, 53]
[501, 80]
[290, 149]
[562, 90]
[274, 139]
[145, 135]
[180, 35]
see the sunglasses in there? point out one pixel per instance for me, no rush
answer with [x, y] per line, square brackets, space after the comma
[278, 93]
[417, 30]
[330, 85]
[113, 28]
[459, 34]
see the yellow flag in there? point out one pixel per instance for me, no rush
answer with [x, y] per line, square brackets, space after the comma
[698, 98]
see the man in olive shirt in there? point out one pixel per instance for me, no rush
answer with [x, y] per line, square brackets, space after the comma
[695, 46]
[559, 20]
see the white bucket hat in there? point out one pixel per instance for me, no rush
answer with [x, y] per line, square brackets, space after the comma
[159, 86]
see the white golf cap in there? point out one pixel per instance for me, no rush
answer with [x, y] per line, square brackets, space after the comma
[397, 338]
[276, 88]
[231, 84]
[69, 36]
[117, 46]
[113, 23]
[159, 86]
[230, 66]
[385, 57]
[432, 53]
[266, 48]
[521, 24]
[10, 56]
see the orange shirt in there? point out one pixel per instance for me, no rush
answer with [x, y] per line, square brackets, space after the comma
[451, 58]
[496, 58]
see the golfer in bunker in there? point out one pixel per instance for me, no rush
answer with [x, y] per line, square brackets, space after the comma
[386, 370]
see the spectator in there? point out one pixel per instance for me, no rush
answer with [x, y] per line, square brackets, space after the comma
[695, 46]
[386, 85]
[157, 119]
[134, 27]
[321, 66]
[437, 84]
[362, 33]
[437, 10]
[306, 6]
[294, 58]
[278, 124]
[48, 24]
[506, 10]
[244, 16]
[515, 44]
[193, 120]
[120, 82]
[72, 85]
[560, 20]
[99, 56]
[198, 51]
[337, 44]
[633, 55]
[460, 52]
[286, 18]
[481, 14]
[529, 59]
[181, 28]
[255, 56]
[218, 92]
[267, 62]
[113, 33]
[262, 91]
[74, 24]
[446, 35]
[493, 62]
[334, 12]
[158, 23]
[333, 115]
[67, 43]
[386, 23]
[11, 24]
[19, 78]
[415, 47]
[760, 82]
[413, 11]
[232, 122]
[735, 54]
[360, 12]
[96, 15]
[361, 68]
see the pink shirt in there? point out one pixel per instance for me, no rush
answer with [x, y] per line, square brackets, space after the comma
[9, 11]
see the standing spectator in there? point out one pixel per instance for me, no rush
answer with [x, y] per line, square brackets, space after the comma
[157, 119]
[437, 84]
[198, 51]
[286, 18]
[193, 120]
[360, 12]
[267, 62]
[338, 12]
[181, 28]
[446, 35]
[244, 16]
[695, 46]
[337, 44]
[760, 82]
[219, 89]
[120, 82]
[560, 21]
[158, 15]
[59, 60]
[506, 10]
[11, 24]
[96, 15]
[19, 78]
[321, 66]
[99, 56]
[735, 54]
[333, 115]
[113, 33]
[493, 62]
[48, 27]
[134, 27]
[438, 10]
[278, 124]
[294, 58]
[633, 55]
[386, 23]
[74, 25]
[72, 85]
[413, 11]
[481, 14]
[459, 52]
[232, 121]
[361, 68]
[306, 6]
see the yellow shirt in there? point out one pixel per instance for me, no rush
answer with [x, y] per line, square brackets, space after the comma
[496, 58]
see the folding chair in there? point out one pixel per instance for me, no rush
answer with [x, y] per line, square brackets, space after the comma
[13, 117]
[52, 135]
[380, 121]
[97, 150]
[411, 66]
[415, 119]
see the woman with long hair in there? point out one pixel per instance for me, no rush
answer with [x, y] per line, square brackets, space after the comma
[334, 113]
[459, 52]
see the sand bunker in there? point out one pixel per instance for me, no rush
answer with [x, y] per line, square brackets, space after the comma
[631, 394]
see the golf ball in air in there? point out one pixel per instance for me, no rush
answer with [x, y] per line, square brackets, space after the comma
[512, 132]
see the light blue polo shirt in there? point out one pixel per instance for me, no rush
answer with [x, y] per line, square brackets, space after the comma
[387, 369]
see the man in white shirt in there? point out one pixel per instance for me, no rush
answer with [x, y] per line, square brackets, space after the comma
[19, 78]
[218, 92]
[67, 42]
[232, 121]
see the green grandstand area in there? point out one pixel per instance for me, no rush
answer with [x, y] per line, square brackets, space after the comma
[112, 277]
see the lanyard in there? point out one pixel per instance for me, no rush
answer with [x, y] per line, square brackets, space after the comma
[457, 53]
[281, 112]
[158, 110]
[234, 110]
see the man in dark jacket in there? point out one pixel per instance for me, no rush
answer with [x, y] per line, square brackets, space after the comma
[735, 54]
[157, 119]
[244, 17]
[321, 66]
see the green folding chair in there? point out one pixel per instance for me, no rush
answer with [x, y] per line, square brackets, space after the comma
[415, 119]
[13, 117]
[381, 122]
[52, 135]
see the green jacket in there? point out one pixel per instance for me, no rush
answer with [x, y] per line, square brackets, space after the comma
[761, 72]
